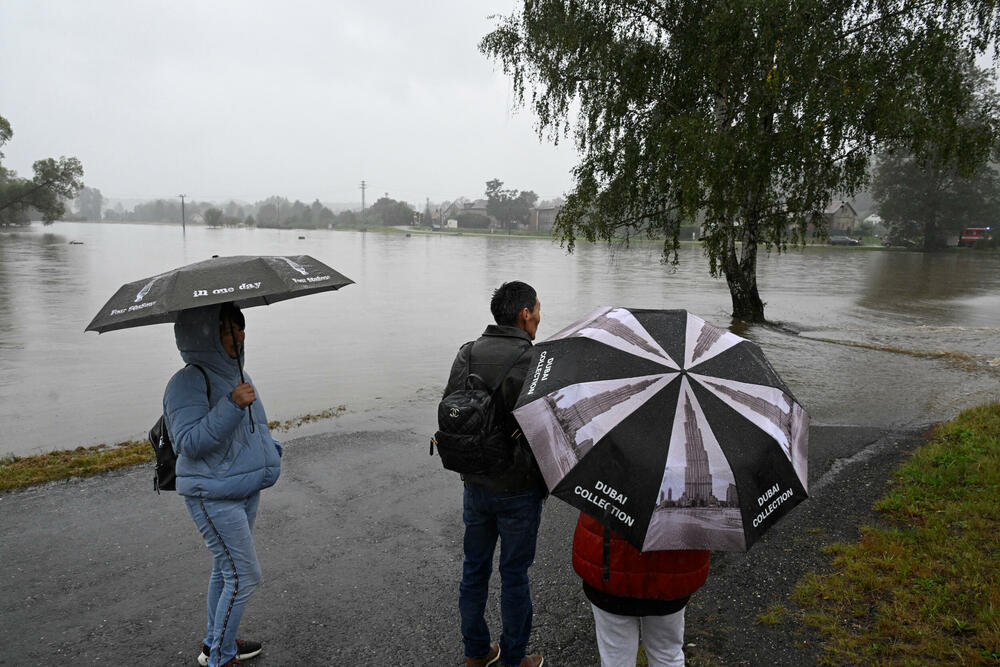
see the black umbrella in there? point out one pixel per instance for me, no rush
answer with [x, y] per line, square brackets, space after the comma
[245, 280]
[253, 280]
[674, 433]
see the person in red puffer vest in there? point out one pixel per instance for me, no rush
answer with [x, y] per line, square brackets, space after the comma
[629, 589]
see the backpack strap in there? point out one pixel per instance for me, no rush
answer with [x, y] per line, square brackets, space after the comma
[162, 421]
[503, 374]
[466, 352]
[208, 390]
[208, 385]
[499, 409]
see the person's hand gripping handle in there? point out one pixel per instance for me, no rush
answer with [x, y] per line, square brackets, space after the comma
[243, 395]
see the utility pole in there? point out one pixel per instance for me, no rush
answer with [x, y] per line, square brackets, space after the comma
[363, 186]
[183, 221]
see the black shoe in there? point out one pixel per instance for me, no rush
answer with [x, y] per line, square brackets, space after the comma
[244, 651]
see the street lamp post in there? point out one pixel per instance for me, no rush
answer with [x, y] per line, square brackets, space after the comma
[183, 221]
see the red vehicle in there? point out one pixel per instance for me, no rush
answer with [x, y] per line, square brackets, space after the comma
[971, 235]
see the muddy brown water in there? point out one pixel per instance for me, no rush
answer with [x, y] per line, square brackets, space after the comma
[862, 336]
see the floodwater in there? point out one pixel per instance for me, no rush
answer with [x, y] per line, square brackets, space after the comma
[861, 336]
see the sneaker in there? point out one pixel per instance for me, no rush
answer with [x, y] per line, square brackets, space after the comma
[485, 660]
[532, 661]
[233, 662]
[244, 651]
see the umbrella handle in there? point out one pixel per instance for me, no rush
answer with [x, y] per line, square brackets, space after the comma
[606, 552]
[239, 365]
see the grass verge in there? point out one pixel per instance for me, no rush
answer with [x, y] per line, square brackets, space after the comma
[924, 587]
[20, 471]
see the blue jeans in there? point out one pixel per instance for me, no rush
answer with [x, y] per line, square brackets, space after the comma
[514, 518]
[227, 526]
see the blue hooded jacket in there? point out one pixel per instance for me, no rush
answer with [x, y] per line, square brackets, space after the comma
[218, 456]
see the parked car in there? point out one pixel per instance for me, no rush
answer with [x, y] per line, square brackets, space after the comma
[843, 240]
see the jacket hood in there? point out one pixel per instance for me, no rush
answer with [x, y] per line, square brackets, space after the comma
[196, 332]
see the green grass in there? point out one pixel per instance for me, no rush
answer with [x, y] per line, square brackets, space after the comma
[20, 471]
[924, 587]
[772, 616]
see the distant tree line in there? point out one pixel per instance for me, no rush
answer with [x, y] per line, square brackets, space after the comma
[274, 212]
[504, 208]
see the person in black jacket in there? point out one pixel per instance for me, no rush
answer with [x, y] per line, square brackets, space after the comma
[506, 505]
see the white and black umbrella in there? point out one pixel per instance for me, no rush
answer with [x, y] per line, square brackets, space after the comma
[674, 433]
[253, 280]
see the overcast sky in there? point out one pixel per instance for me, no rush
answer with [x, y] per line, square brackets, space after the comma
[243, 100]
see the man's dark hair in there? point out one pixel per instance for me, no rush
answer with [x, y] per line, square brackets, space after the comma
[509, 299]
[231, 312]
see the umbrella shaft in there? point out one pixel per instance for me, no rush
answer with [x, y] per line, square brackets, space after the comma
[239, 365]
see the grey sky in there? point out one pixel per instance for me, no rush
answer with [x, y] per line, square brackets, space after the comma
[248, 99]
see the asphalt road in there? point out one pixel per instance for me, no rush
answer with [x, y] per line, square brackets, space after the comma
[360, 544]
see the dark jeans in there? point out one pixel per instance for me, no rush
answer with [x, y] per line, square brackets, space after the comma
[514, 518]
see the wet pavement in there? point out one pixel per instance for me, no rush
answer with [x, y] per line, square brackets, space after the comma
[360, 544]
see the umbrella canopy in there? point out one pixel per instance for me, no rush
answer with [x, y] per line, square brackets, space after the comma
[672, 432]
[244, 280]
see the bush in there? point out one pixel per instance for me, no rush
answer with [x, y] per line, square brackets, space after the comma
[472, 221]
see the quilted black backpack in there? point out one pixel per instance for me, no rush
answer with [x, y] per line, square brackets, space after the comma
[470, 437]
[165, 475]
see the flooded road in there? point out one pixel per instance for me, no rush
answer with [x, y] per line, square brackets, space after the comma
[861, 336]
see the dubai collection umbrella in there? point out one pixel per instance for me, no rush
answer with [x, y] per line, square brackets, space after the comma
[674, 433]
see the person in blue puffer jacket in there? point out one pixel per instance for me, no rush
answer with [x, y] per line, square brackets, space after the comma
[225, 456]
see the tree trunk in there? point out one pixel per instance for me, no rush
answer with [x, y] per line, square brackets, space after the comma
[747, 305]
[933, 237]
[741, 276]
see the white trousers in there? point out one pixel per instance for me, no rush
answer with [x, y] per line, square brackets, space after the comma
[618, 639]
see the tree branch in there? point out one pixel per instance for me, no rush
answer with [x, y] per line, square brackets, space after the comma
[908, 8]
[25, 195]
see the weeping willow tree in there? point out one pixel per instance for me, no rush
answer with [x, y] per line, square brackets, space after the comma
[54, 183]
[745, 116]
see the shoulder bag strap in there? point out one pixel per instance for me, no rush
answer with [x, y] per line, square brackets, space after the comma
[208, 385]
[208, 390]
[503, 375]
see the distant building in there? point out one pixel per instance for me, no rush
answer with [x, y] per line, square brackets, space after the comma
[697, 474]
[840, 217]
[577, 415]
[732, 499]
[542, 219]
[477, 207]
[539, 219]
[698, 483]
[463, 207]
